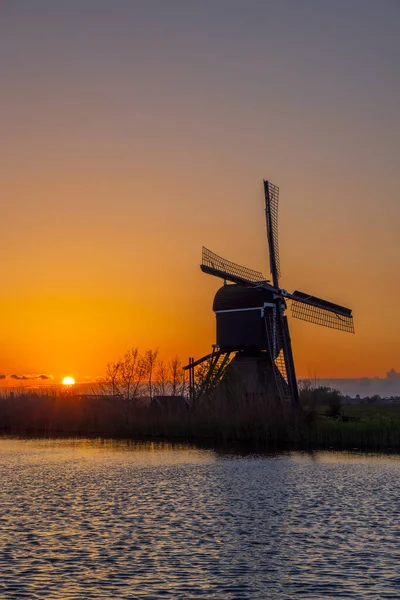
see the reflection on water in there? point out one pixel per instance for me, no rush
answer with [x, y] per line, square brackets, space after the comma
[84, 519]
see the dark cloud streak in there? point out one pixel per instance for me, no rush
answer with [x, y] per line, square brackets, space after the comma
[42, 376]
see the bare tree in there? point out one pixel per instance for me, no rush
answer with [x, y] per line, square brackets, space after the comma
[132, 372]
[150, 358]
[177, 377]
[111, 384]
[161, 383]
[125, 377]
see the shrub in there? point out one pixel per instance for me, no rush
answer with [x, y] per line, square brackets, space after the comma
[312, 397]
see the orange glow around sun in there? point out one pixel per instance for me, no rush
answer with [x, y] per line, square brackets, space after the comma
[68, 381]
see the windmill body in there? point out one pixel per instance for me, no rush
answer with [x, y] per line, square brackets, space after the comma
[241, 313]
[245, 318]
[252, 335]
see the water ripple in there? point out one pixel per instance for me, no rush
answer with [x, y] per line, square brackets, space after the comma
[90, 519]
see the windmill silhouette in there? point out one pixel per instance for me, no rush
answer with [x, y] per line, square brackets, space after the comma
[253, 339]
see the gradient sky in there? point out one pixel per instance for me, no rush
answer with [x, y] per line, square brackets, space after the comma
[133, 132]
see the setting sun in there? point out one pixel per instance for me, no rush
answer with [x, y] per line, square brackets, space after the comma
[68, 381]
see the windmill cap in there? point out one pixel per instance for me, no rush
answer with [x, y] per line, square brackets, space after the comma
[235, 296]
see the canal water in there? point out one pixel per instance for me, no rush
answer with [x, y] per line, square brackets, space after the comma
[82, 519]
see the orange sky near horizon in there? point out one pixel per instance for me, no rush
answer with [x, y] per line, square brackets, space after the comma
[134, 135]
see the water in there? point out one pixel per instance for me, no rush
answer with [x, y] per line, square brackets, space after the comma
[90, 519]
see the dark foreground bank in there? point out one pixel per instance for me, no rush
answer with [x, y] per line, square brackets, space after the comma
[230, 419]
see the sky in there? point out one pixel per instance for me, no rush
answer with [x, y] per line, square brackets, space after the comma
[135, 131]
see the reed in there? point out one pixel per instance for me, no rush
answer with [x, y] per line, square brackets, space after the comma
[227, 415]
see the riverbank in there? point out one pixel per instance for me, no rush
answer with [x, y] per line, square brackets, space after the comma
[246, 420]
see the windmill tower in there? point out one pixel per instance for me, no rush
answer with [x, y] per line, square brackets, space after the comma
[253, 341]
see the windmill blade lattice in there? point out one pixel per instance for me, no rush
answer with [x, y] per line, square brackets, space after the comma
[225, 269]
[271, 192]
[280, 351]
[320, 316]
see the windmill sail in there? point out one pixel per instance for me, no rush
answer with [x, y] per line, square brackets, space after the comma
[225, 269]
[280, 350]
[321, 312]
[271, 214]
[289, 362]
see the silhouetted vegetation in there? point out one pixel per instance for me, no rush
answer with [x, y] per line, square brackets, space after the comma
[312, 397]
[136, 376]
[141, 396]
[223, 417]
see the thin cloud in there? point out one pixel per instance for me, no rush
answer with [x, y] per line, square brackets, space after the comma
[42, 376]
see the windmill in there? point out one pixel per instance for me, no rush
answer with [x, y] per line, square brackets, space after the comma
[252, 326]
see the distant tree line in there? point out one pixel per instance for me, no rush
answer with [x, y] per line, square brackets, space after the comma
[376, 399]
